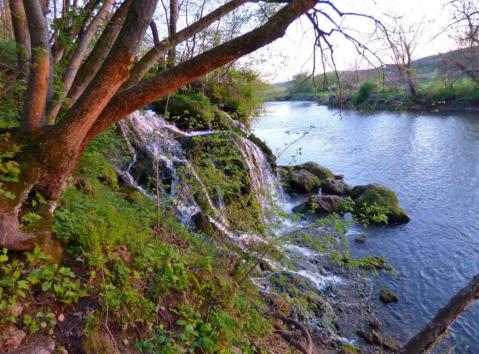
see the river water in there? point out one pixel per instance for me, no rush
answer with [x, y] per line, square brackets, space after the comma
[431, 160]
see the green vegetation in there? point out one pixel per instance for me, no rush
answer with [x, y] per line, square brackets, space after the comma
[436, 87]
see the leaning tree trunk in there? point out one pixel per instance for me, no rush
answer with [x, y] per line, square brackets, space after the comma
[437, 328]
[48, 158]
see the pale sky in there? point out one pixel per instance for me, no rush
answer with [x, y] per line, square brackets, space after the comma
[293, 53]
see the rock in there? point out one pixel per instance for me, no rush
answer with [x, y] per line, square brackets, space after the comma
[316, 169]
[375, 324]
[321, 205]
[361, 239]
[365, 335]
[302, 181]
[376, 337]
[335, 187]
[388, 296]
[382, 196]
[132, 195]
[376, 263]
[15, 338]
[391, 344]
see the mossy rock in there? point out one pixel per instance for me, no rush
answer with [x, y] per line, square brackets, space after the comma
[132, 195]
[349, 349]
[187, 112]
[335, 187]
[321, 205]
[388, 296]
[382, 196]
[109, 177]
[302, 181]
[316, 169]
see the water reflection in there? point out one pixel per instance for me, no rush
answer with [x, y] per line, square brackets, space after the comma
[432, 162]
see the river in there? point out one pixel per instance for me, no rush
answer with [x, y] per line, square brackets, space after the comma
[431, 160]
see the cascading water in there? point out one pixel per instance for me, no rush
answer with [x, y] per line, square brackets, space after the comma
[157, 144]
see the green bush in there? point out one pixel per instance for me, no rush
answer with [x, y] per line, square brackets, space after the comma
[364, 92]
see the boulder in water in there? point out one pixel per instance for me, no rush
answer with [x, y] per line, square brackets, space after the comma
[388, 296]
[316, 169]
[382, 196]
[335, 187]
[302, 181]
[321, 205]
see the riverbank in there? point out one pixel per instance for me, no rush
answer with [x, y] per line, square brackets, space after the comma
[381, 103]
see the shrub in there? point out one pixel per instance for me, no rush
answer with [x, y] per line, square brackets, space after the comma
[364, 92]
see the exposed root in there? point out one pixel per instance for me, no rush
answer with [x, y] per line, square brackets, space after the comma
[286, 335]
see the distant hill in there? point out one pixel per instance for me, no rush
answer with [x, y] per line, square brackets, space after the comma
[425, 67]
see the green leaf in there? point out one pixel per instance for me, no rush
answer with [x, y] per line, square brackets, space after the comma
[46, 286]
[23, 284]
[181, 322]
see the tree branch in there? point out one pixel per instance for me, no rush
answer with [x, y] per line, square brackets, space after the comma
[171, 79]
[440, 324]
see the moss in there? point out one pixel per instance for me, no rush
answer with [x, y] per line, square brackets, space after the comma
[132, 195]
[350, 349]
[316, 169]
[265, 148]
[302, 181]
[388, 296]
[382, 196]
[95, 341]
[109, 177]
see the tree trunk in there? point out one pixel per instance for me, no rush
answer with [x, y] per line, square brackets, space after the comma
[37, 88]
[172, 30]
[22, 35]
[76, 60]
[49, 157]
[98, 55]
[435, 330]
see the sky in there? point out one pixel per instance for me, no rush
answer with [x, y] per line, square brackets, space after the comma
[294, 52]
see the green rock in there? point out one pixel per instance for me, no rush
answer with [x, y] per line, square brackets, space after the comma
[316, 169]
[302, 181]
[382, 196]
[388, 296]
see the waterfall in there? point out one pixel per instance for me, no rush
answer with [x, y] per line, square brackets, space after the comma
[151, 139]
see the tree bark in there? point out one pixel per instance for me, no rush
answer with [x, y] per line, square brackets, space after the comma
[172, 31]
[92, 64]
[435, 330]
[36, 93]
[22, 35]
[80, 52]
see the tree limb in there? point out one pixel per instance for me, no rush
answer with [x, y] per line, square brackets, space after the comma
[437, 328]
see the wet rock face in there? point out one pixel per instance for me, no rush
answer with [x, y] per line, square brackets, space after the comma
[335, 187]
[382, 196]
[302, 181]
